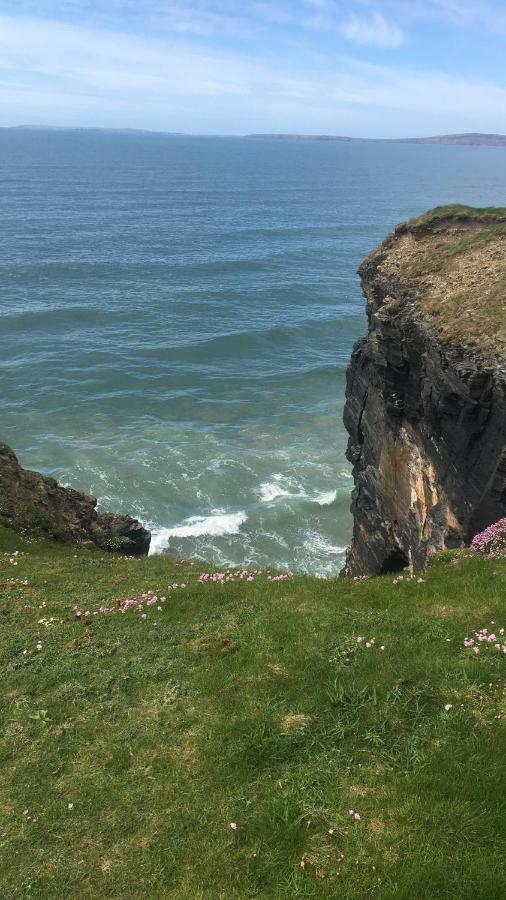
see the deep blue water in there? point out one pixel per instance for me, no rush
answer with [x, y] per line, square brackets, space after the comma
[177, 315]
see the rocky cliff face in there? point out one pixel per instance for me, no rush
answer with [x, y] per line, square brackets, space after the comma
[34, 504]
[426, 390]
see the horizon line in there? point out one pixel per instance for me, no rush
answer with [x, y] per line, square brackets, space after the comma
[468, 137]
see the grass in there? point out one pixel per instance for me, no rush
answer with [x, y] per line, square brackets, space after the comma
[453, 258]
[458, 212]
[129, 745]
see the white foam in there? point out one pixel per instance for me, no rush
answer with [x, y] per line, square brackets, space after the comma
[326, 498]
[217, 524]
[270, 492]
[317, 543]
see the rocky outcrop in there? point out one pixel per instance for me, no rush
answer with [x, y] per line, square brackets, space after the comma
[34, 504]
[426, 391]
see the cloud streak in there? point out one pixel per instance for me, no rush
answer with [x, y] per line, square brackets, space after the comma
[180, 80]
[373, 30]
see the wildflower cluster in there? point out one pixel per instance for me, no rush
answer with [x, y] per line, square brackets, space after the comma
[225, 577]
[28, 817]
[86, 613]
[368, 643]
[47, 623]
[492, 541]
[483, 639]
[38, 647]
[344, 652]
[408, 578]
[147, 600]
[240, 575]
[13, 556]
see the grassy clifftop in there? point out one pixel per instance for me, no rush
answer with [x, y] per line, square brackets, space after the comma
[342, 727]
[453, 259]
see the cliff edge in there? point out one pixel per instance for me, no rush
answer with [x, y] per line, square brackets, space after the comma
[35, 504]
[426, 390]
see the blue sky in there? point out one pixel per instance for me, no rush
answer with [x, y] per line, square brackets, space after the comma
[359, 67]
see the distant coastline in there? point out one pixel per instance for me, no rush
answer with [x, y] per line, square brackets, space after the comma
[468, 139]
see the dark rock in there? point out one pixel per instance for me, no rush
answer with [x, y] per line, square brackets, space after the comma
[36, 504]
[427, 431]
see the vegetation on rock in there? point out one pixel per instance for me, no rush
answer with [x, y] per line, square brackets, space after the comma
[35, 504]
[452, 260]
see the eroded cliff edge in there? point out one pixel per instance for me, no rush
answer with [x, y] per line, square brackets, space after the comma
[426, 390]
[35, 504]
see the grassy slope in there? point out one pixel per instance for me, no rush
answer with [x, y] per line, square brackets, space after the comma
[160, 735]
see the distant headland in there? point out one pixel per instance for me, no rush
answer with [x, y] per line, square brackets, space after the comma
[468, 139]
[473, 139]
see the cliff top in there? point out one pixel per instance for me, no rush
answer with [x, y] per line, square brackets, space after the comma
[452, 260]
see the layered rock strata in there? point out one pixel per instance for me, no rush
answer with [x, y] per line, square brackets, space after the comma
[426, 390]
[34, 504]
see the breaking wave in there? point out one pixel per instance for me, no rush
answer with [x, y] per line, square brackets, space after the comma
[217, 524]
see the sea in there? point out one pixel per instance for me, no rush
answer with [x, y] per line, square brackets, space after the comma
[177, 315]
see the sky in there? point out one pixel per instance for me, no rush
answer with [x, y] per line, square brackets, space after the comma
[370, 68]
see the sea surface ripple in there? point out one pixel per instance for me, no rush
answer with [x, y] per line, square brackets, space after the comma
[177, 315]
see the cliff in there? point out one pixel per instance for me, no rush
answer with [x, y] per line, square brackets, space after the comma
[34, 504]
[426, 390]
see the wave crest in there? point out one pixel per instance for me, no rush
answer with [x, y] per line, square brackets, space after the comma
[217, 524]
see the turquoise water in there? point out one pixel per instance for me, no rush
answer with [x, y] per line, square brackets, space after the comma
[177, 315]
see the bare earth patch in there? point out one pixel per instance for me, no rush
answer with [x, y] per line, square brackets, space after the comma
[296, 721]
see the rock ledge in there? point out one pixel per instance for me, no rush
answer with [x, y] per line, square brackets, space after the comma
[34, 504]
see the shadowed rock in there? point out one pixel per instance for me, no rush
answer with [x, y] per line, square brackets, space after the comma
[426, 390]
[35, 504]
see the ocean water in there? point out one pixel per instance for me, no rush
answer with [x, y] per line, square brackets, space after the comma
[177, 315]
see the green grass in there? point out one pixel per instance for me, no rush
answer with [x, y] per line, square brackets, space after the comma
[452, 259]
[459, 212]
[134, 743]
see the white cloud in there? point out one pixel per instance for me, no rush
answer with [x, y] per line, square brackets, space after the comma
[478, 14]
[373, 30]
[70, 74]
[201, 22]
